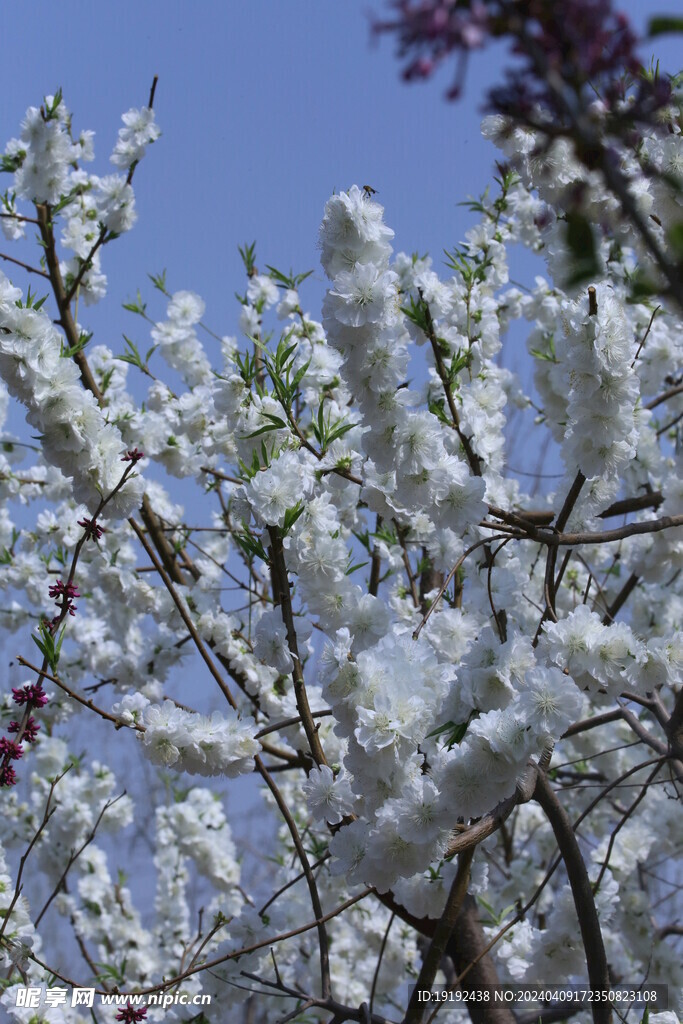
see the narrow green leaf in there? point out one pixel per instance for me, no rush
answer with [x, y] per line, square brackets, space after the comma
[663, 24]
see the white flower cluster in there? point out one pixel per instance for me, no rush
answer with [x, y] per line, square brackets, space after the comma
[195, 830]
[280, 486]
[73, 431]
[139, 130]
[597, 355]
[371, 479]
[413, 462]
[388, 702]
[177, 340]
[219, 744]
[610, 659]
[47, 169]
[45, 152]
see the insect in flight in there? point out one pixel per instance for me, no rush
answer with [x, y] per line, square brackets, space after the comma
[369, 191]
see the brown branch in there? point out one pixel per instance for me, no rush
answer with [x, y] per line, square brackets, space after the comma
[170, 982]
[592, 723]
[621, 599]
[284, 599]
[291, 882]
[24, 266]
[606, 536]
[653, 499]
[665, 396]
[184, 614]
[471, 456]
[659, 746]
[19, 217]
[491, 822]
[376, 564]
[380, 956]
[446, 582]
[555, 540]
[468, 950]
[66, 319]
[521, 914]
[674, 727]
[442, 934]
[645, 336]
[589, 924]
[85, 266]
[308, 873]
[44, 674]
[414, 593]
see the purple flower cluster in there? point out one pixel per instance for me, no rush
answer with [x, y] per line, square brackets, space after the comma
[131, 1015]
[566, 52]
[29, 697]
[64, 594]
[133, 456]
[93, 530]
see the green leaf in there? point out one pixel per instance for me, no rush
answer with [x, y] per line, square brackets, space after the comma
[319, 430]
[282, 360]
[262, 430]
[259, 344]
[536, 352]
[67, 353]
[675, 237]
[581, 244]
[46, 645]
[299, 376]
[663, 24]
[132, 356]
[44, 650]
[352, 568]
[284, 281]
[59, 646]
[416, 312]
[12, 163]
[159, 281]
[339, 431]
[455, 730]
[136, 307]
[363, 538]
[248, 256]
[276, 420]
[291, 516]
[66, 201]
[251, 545]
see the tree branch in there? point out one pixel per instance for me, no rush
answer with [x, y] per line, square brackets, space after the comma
[582, 891]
